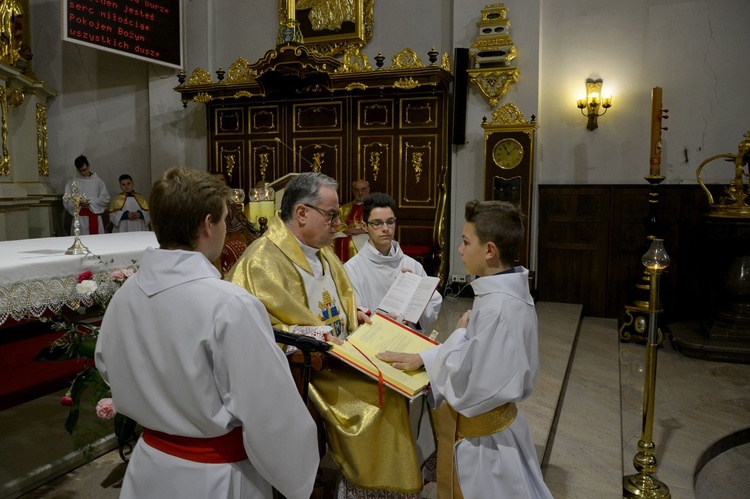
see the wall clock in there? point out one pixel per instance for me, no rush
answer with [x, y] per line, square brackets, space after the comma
[509, 164]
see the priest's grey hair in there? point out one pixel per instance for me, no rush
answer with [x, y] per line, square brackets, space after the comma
[304, 189]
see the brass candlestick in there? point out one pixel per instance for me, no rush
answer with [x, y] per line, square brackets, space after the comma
[643, 484]
[77, 248]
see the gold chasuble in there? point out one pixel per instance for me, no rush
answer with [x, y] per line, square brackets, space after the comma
[372, 445]
[119, 201]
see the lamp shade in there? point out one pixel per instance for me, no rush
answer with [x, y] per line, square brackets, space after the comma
[656, 258]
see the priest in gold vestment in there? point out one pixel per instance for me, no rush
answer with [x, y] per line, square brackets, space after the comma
[296, 275]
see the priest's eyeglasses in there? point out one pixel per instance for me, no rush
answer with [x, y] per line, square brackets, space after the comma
[331, 216]
[376, 224]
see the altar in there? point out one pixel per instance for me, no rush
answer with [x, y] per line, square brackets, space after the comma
[37, 277]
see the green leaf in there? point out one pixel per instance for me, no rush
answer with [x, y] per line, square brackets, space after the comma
[72, 421]
[86, 349]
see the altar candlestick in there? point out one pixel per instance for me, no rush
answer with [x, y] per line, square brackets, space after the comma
[655, 161]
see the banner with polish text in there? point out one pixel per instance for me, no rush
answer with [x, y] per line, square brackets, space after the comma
[150, 30]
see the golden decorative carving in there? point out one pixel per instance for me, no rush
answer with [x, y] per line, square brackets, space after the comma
[375, 164]
[263, 164]
[354, 60]
[494, 82]
[15, 97]
[366, 121]
[5, 161]
[199, 77]
[329, 15]
[239, 72]
[356, 85]
[406, 83]
[202, 98]
[257, 126]
[229, 160]
[509, 114]
[406, 59]
[317, 163]
[445, 63]
[11, 31]
[416, 163]
[243, 93]
[41, 140]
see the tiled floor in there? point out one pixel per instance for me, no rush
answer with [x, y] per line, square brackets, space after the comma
[586, 417]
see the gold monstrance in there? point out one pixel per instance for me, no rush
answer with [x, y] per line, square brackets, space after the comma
[77, 248]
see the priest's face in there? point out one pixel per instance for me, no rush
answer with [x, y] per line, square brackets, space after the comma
[361, 189]
[318, 223]
[381, 227]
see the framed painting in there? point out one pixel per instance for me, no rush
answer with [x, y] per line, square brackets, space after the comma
[328, 27]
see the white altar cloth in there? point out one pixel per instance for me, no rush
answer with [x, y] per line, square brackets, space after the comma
[36, 275]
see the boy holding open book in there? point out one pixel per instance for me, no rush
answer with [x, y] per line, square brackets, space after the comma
[487, 365]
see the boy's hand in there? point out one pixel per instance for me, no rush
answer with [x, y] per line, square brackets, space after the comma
[403, 361]
[363, 318]
[464, 320]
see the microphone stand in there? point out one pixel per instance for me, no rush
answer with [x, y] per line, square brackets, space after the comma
[306, 345]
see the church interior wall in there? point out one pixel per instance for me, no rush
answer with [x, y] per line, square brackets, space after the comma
[125, 115]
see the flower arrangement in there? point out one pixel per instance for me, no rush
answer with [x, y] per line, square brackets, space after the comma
[78, 341]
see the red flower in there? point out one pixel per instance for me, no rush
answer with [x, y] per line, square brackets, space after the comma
[85, 276]
[66, 401]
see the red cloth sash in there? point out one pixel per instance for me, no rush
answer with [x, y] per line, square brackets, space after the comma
[85, 211]
[227, 448]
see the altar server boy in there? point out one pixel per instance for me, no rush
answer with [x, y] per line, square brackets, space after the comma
[128, 211]
[487, 365]
[193, 359]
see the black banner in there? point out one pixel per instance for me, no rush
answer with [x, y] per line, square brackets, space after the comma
[144, 29]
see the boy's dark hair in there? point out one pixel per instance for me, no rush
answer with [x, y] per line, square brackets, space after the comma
[80, 161]
[498, 222]
[125, 176]
[376, 200]
[178, 203]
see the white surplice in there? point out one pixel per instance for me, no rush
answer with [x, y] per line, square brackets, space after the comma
[372, 273]
[125, 224]
[188, 354]
[493, 361]
[95, 191]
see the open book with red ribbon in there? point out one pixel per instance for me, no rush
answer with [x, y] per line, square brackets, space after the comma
[361, 347]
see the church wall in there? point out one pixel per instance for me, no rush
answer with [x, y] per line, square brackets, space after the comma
[124, 113]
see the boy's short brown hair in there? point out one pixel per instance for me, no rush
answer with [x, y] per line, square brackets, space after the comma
[498, 222]
[178, 203]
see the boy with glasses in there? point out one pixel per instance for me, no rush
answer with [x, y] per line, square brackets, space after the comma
[378, 264]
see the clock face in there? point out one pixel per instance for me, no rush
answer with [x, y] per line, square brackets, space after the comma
[507, 154]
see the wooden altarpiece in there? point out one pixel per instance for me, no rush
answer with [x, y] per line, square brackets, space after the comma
[294, 111]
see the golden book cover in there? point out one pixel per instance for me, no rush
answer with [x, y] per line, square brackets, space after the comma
[361, 347]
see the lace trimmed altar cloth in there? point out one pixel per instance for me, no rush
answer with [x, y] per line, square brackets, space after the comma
[36, 275]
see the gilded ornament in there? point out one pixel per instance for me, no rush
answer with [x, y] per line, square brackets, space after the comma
[509, 114]
[5, 162]
[41, 140]
[406, 83]
[734, 202]
[375, 164]
[202, 97]
[263, 164]
[354, 60]
[493, 83]
[229, 163]
[11, 31]
[15, 97]
[406, 59]
[356, 85]
[243, 93]
[199, 77]
[240, 72]
[416, 163]
[317, 163]
[445, 63]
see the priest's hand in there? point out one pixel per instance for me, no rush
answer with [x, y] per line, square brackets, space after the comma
[403, 361]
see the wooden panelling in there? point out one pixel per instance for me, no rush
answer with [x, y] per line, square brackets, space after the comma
[592, 238]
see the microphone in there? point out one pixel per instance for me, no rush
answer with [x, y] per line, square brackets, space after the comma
[303, 343]
[276, 139]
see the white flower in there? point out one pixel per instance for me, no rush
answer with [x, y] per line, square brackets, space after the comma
[86, 287]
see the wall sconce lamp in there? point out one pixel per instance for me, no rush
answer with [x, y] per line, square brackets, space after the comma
[593, 101]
